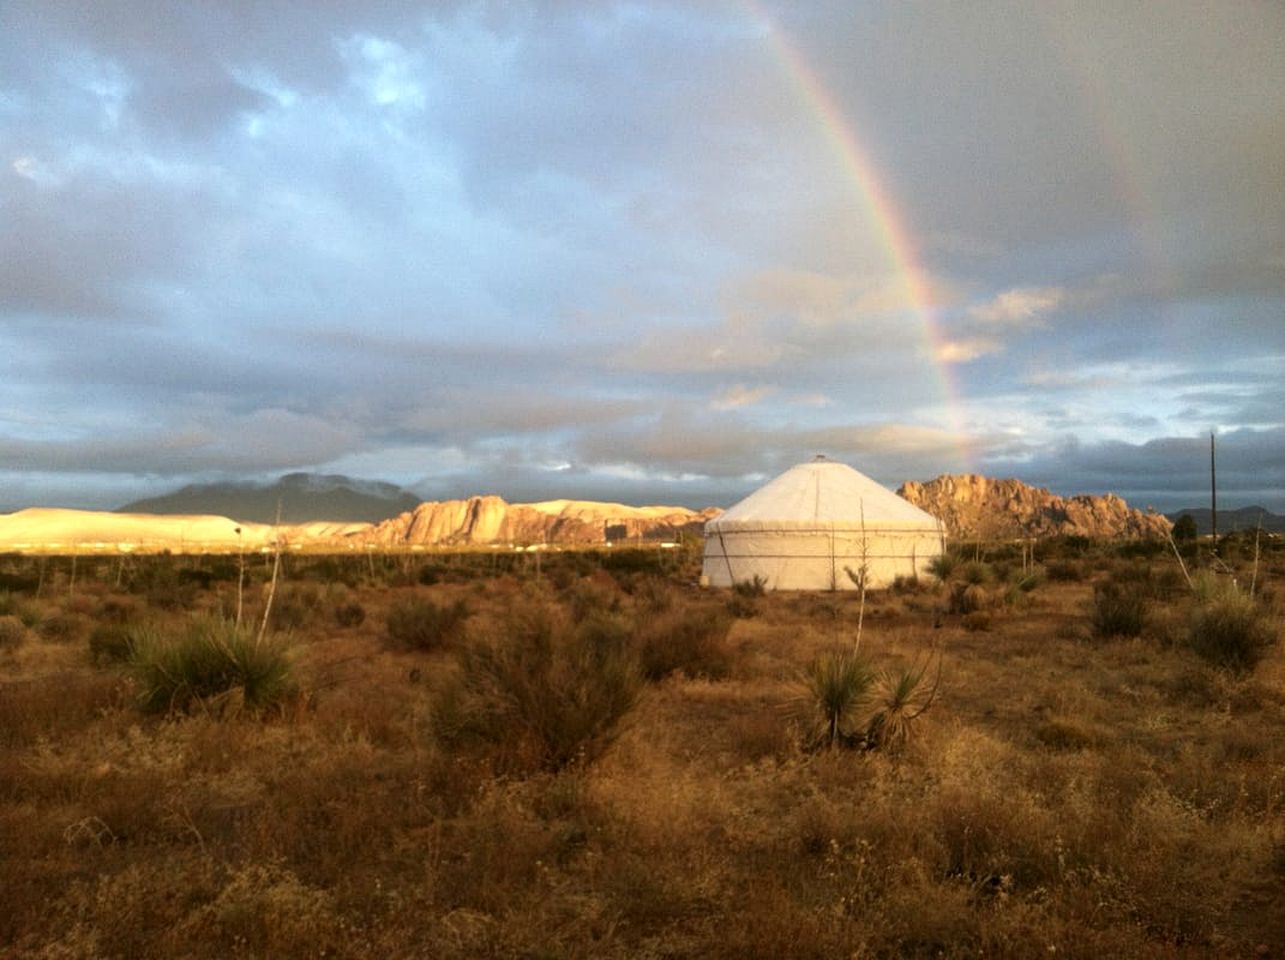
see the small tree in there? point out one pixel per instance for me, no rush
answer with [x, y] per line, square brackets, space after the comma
[1184, 528]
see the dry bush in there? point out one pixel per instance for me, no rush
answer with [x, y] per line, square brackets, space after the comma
[1231, 630]
[13, 632]
[62, 626]
[350, 613]
[1117, 612]
[111, 643]
[541, 694]
[693, 641]
[976, 621]
[418, 623]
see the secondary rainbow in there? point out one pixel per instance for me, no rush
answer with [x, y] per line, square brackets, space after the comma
[881, 212]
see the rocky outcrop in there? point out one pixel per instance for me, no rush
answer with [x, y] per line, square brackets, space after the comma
[978, 507]
[483, 520]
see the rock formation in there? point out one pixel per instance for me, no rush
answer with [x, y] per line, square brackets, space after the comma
[482, 520]
[978, 507]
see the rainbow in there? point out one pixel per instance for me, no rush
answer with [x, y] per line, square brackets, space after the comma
[881, 212]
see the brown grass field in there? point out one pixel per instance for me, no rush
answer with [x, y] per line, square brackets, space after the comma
[444, 779]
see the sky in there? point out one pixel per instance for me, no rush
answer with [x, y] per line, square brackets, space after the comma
[648, 252]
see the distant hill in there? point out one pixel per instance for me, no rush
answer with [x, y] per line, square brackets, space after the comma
[1246, 518]
[304, 498]
[973, 506]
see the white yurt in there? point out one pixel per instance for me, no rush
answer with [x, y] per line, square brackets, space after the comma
[806, 528]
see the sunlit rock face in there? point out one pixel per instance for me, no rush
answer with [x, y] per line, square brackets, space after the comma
[481, 520]
[972, 506]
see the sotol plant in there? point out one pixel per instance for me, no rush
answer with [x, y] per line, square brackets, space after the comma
[213, 663]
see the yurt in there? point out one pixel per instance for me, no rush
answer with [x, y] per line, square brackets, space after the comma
[807, 528]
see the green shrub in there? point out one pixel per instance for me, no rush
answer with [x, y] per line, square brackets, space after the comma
[977, 573]
[1117, 612]
[756, 586]
[837, 683]
[13, 632]
[420, 624]
[942, 566]
[900, 702]
[1231, 631]
[547, 696]
[693, 641]
[210, 662]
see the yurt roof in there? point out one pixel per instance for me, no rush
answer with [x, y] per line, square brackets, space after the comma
[822, 495]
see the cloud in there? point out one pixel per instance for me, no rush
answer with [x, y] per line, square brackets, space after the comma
[738, 396]
[1017, 309]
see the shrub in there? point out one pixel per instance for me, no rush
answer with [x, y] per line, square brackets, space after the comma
[977, 573]
[294, 606]
[976, 621]
[210, 662]
[13, 632]
[837, 684]
[420, 624]
[756, 586]
[742, 607]
[62, 627]
[1184, 528]
[1231, 631]
[350, 614]
[547, 696]
[1116, 612]
[110, 643]
[966, 598]
[1065, 571]
[693, 641]
[942, 566]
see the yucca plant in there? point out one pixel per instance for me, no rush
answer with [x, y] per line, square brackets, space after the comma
[837, 684]
[900, 702]
[942, 566]
[210, 662]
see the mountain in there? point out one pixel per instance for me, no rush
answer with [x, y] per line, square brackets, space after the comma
[1245, 518]
[979, 507]
[482, 520]
[304, 498]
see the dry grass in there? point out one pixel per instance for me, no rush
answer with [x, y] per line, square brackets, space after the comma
[1061, 798]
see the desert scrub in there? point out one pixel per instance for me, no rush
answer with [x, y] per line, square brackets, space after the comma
[210, 662]
[420, 624]
[1231, 630]
[13, 632]
[1117, 611]
[110, 643]
[350, 613]
[543, 695]
[693, 641]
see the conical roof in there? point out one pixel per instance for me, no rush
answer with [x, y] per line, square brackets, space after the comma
[822, 495]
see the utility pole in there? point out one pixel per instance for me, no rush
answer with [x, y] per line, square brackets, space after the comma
[1213, 491]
